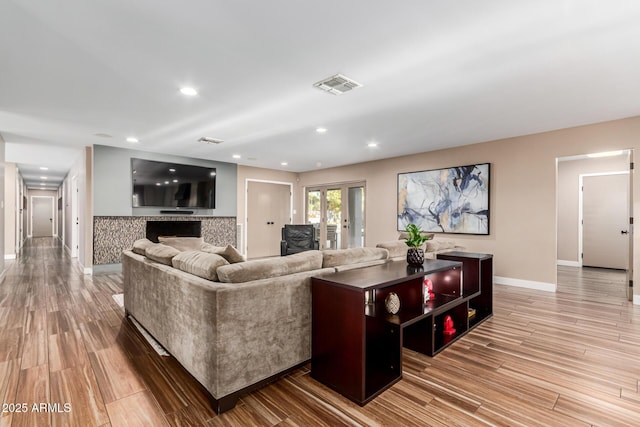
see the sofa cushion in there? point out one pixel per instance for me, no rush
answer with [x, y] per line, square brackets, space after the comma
[140, 246]
[198, 263]
[229, 253]
[182, 243]
[161, 253]
[270, 267]
[396, 248]
[404, 235]
[336, 257]
[440, 245]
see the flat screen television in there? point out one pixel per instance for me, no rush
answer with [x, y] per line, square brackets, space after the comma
[172, 185]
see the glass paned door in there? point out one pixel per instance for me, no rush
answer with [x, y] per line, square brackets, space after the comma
[339, 212]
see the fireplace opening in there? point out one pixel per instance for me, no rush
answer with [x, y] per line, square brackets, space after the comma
[173, 229]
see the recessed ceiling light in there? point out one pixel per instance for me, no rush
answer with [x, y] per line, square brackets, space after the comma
[43, 177]
[284, 163]
[44, 168]
[157, 183]
[372, 144]
[175, 180]
[166, 182]
[236, 156]
[321, 130]
[212, 173]
[189, 91]
[42, 183]
[132, 139]
[172, 170]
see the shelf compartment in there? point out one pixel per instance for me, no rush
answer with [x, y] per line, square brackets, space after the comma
[459, 315]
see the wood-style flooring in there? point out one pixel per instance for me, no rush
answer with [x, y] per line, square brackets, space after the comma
[565, 359]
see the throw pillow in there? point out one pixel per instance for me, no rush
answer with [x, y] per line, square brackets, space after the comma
[140, 246]
[229, 253]
[182, 243]
[161, 253]
[201, 264]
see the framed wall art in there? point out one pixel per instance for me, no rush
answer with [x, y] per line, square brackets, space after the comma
[450, 200]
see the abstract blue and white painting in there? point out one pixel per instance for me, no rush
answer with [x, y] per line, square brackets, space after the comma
[451, 200]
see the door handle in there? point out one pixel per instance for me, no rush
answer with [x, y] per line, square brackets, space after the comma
[624, 232]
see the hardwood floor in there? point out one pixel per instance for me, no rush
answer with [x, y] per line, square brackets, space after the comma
[569, 358]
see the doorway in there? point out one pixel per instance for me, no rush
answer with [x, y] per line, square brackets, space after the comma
[338, 211]
[42, 216]
[594, 211]
[268, 208]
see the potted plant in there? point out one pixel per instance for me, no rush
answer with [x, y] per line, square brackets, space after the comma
[415, 254]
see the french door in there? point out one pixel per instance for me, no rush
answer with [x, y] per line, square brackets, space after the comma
[338, 212]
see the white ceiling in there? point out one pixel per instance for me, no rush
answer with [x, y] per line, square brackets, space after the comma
[435, 73]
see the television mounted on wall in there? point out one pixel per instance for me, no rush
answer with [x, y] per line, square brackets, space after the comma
[172, 185]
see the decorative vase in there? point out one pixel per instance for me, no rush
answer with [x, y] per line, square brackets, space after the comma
[415, 256]
[392, 303]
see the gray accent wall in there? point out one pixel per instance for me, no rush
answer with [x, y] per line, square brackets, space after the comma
[112, 188]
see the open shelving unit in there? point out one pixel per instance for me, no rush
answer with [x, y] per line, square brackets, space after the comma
[357, 345]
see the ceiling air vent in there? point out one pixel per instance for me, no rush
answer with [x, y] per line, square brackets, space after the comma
[209, 140]
[337, 84]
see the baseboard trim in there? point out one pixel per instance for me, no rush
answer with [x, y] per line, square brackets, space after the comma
[529, 284]
[566, 263]
[9, 256]
[636, 300]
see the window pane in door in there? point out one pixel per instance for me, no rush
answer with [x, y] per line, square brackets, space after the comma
[314, 211]
[356, 217]
[334, 218]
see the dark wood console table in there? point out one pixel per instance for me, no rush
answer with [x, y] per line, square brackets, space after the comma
[357, 345]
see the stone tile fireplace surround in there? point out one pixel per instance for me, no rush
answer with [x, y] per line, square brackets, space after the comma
[113, 234]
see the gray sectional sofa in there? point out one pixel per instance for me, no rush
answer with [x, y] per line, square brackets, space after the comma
[247, 326]
[432, 247]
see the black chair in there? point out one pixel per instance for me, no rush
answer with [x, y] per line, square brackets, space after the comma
[298, 238]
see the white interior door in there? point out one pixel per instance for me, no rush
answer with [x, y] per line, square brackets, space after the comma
[41, 216]
[605, 213]
[268, 210]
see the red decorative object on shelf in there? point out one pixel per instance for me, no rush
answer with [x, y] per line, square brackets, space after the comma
[448, 326]
[428, 290]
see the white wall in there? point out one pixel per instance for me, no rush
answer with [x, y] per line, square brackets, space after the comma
[82, 170]
[10, 224]
[2, 209]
